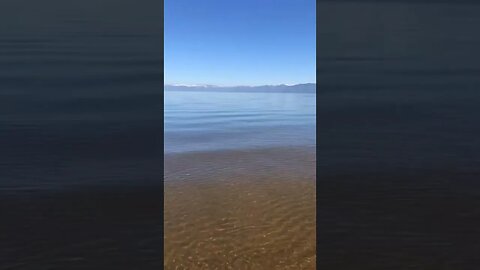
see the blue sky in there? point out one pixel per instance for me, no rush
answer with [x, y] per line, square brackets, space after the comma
[239, 42]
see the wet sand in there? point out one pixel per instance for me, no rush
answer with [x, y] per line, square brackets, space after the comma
[250, 209]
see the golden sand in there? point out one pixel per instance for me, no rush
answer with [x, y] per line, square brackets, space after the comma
[240, 210]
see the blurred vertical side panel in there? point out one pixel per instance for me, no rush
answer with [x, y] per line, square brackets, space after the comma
[399, 141]
[81, 126]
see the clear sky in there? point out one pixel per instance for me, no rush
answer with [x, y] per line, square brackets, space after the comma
[239, 42]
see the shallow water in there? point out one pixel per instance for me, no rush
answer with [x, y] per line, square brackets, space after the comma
[240, 209]
[239, 180]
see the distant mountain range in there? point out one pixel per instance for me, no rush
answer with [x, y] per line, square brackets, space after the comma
[306, 87]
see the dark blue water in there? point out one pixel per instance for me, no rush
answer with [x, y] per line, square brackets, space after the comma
[399, 85]
[80, 93]
[80, 134]
[399, 141]
[237, 120]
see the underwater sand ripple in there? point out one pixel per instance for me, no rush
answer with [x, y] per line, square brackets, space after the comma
[256, 214]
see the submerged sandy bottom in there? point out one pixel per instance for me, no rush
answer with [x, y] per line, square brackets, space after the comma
[240, 210]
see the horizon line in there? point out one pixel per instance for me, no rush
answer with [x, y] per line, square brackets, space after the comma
[228, 86]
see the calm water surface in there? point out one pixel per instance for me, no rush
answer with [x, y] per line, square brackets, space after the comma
[398, 149]
[80, 128]
[214, 120]
[80, 88]
[239, 180]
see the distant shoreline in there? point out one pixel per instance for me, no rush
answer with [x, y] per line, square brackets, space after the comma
[300, 88]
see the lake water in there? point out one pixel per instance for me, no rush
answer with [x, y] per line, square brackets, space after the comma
[198, 121]
[398, 146]
[80, 87]
[80, 134]
[398, 162]
[239, 180]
